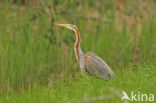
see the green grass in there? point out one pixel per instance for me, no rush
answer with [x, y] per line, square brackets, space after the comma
[82, 88]
[38, 63]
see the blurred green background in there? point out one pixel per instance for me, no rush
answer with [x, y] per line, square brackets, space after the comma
[35, 54]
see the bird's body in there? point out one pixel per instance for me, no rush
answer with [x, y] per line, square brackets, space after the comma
[89, 62]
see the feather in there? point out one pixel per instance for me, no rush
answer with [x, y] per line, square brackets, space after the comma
[96, 66]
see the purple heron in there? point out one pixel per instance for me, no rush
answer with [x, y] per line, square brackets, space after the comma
[89, 62]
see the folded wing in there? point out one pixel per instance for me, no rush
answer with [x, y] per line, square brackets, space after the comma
[96, 66]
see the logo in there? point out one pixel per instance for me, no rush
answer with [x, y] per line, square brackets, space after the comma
[137, 96]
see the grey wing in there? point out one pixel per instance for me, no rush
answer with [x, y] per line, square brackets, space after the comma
[95, 65]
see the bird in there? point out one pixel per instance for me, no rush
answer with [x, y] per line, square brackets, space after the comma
[89, 62]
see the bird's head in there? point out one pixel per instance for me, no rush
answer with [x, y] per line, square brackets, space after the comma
[69, 26]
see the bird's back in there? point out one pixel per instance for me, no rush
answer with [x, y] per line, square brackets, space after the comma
[95, 65]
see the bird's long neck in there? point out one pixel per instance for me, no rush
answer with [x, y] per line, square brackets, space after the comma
[77, 43]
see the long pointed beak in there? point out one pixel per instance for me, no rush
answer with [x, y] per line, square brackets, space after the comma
[62, 25]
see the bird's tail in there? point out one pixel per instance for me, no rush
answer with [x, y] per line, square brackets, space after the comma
[111, 73]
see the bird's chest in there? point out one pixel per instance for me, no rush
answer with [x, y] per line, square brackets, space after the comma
[80, 57]
[82, 63]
